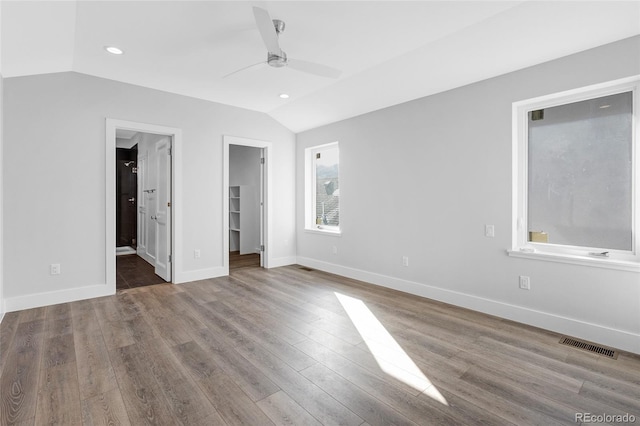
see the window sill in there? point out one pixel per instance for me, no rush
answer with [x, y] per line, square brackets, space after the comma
[608, 263]
[324, 231]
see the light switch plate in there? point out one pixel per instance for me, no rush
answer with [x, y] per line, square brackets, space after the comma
[489, 231]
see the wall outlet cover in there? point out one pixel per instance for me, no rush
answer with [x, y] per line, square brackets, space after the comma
[54, 269]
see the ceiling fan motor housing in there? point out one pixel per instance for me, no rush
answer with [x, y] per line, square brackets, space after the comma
[277, 61]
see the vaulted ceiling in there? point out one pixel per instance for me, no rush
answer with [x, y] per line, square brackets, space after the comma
[389, 51]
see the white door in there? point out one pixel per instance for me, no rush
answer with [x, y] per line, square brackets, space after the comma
[262, 191]
[146, 206]
[163, 209]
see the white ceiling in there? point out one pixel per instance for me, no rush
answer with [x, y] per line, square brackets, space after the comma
[389, 51]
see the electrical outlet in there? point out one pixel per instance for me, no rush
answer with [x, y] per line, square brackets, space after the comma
[196, 254]
[334, 250]
[54, 269]
[489, 231]
[405, 260]
[525, 282]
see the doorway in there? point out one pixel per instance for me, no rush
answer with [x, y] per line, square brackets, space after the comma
[246, 181]
[140, 204]
[143, 200]
[245, 206]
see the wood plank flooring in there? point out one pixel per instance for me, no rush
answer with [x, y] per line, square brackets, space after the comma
[292, 347]
[133, 271]
[238, 261]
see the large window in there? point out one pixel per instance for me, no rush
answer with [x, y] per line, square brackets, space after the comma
[576, 189]
[323, 188]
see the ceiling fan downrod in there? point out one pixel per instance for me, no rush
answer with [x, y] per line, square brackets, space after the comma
[278, 25]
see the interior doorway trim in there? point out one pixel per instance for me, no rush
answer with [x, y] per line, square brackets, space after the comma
[176, 195]
[266, 224]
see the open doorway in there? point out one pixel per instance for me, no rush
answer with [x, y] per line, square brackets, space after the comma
[143, 201]
[140, 204]
[246, 206]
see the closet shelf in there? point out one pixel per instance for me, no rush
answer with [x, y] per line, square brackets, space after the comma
[240, 225]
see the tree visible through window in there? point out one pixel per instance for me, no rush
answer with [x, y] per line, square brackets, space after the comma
[323, 187]
[327, 187]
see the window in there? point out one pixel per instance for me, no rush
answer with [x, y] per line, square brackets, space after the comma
[323, 188]
[576, 178]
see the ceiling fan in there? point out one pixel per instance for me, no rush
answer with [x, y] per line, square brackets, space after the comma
[270, 30]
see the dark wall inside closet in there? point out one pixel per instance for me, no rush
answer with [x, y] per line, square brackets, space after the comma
[126, 196]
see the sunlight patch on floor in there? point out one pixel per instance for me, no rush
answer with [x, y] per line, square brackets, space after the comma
[389, 355]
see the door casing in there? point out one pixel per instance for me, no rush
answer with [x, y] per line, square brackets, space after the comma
[265, 225]
[176, 182]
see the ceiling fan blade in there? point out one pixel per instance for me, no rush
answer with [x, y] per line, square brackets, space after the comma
[267, 30]
[313, 68]
[243, 69]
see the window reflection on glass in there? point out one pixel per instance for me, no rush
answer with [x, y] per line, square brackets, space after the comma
[580, 173]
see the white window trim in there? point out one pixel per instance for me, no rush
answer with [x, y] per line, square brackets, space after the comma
[521, 247]
[310, 193]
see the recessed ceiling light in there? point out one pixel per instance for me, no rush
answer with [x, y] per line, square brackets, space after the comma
[114, 50]
[604, 106]
[284, 96]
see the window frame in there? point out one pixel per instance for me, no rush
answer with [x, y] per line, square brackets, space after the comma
[521, 247]
[310, 190]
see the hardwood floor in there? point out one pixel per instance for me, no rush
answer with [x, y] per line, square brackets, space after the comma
[289, 346]
[133, 271]
[238, 261]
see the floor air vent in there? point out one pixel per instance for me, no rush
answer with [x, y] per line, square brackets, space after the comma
[589, 347]
[304, 268]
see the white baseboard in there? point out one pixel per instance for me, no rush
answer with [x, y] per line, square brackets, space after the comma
[282, 261]
[618, 339]
[37, 300]
[122, 251]
[200, 274]
[221, 271]
[71, 295]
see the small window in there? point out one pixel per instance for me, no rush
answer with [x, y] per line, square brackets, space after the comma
[576, 188]
[323, 188]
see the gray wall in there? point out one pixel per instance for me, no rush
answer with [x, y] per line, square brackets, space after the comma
[54, 170]
[421, 179]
